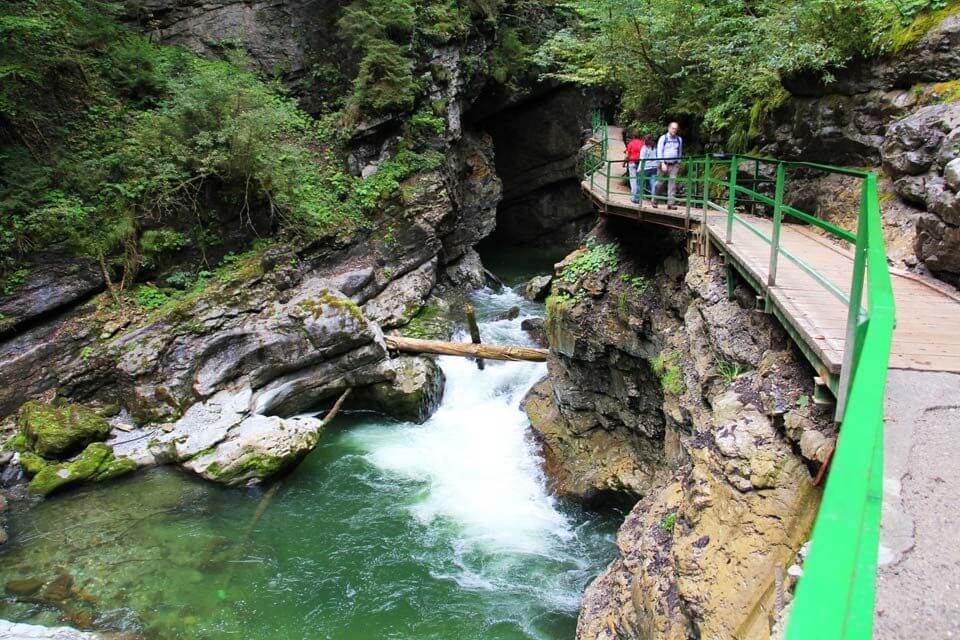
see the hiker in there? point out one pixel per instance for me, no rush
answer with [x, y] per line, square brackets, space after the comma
[670, 150]
[648, 163]
[634, 149]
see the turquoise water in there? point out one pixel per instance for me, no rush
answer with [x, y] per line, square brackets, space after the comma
[387, 530]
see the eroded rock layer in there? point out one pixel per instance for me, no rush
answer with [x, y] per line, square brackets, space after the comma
[663, 389]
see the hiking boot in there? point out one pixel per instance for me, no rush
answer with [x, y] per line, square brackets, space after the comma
[654, 204]
[634, 200]
[671, 206]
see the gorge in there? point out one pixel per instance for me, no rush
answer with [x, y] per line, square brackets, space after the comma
[213, 214]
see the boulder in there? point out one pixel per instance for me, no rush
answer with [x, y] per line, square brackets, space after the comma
[257, 448]
[537, 288]
[412, 392]
[536, 328]
[60, 428]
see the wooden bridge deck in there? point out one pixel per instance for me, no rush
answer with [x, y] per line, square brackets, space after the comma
[923, 339]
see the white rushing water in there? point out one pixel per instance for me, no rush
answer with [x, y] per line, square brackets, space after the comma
[481, 473]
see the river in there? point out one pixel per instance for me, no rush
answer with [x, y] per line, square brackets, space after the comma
[387, 530]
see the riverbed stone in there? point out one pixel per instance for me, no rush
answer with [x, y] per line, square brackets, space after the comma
[60, 428]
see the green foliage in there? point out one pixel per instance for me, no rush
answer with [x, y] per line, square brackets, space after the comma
[667, 367]
[154, 242]
[149, 296]
[669, 521]
[13, 281]
[728, 370]
[596, 257]
[639, 283]
[715, 64]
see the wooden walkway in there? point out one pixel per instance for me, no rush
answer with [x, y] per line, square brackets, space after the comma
[924, 339]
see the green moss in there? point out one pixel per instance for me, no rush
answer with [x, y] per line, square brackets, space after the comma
[249, 466]
[95, 463]
[667, 367]
[428, 324]
[906, 35]
[17, 442]
[31, 463]
[325, 298]
[60, 428]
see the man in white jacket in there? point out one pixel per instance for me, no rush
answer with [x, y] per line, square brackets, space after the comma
[670, 150]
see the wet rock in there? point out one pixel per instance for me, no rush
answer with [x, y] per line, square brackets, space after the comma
[18, 631]
[510, 314]
[536, 329]
[60, 428]
[413, 392]
[538, 288]
[259, 447]
[467, 271]
[537, 157]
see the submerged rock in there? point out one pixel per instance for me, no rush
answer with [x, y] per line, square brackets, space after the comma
[60, 428]
[96, 463]
[412, 393]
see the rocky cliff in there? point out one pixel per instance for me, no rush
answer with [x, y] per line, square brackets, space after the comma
[897, 113]
[663, 389]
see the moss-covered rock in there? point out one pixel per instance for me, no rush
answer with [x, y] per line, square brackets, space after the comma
[96, 463]
[60, 428]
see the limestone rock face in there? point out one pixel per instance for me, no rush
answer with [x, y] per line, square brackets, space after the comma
[922, 154]
[704, 430]
[537, 143]
[49, 280]
[844, 122]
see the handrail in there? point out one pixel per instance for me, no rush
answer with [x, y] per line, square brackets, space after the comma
[834, 598]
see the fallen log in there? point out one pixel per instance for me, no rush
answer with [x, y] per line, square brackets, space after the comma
[466, 350]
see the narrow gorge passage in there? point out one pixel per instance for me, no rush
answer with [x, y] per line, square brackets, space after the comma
[387, 529]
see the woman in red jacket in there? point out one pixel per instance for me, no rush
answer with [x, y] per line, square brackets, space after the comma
[634, 150]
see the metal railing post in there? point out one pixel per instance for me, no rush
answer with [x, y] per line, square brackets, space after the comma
[777, 220]
[689, 193]
[642, 178]
[851, 344]
[732, 197]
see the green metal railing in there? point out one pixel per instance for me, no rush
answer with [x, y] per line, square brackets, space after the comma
[834, 598]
